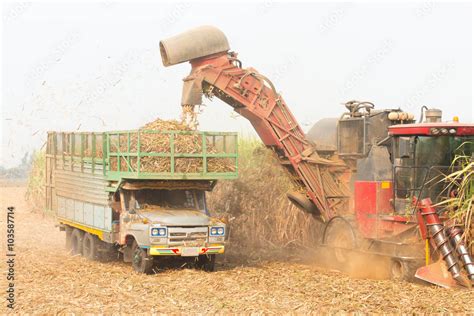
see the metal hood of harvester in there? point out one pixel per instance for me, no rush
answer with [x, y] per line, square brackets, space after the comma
[195, 43]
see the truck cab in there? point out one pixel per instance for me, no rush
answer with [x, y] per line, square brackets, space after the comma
[168, 221]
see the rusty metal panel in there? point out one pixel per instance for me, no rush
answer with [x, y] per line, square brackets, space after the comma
[351, 137]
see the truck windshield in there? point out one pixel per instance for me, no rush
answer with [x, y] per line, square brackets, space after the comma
[421, 163]
[170, 199]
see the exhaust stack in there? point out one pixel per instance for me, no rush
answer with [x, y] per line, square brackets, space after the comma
[433, 116]
[195, 43]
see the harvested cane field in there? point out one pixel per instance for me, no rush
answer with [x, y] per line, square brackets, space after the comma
[270, 266]
[49, 281]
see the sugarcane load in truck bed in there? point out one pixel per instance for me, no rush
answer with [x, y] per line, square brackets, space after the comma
[140, 193]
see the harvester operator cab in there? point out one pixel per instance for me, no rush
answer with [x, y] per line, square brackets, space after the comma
[423, 154]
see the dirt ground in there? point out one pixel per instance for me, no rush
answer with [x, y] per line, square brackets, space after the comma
[48, 280]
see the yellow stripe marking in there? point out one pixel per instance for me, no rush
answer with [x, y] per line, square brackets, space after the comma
[94, 231]
[161, 251]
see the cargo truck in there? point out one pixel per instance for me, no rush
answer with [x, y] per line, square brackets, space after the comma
[113, 192]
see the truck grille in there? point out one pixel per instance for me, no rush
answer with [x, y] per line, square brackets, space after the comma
[187, 236]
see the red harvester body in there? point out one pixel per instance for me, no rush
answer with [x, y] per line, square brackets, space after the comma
[362, 175]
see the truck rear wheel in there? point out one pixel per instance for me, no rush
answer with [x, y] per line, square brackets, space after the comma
[206, 263]
[89, 246]
[76, 242]
[141, 261]
[68, 230]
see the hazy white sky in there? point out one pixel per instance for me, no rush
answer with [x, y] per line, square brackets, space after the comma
[96, 66]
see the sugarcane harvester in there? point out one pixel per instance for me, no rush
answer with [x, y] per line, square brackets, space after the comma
[371, 176]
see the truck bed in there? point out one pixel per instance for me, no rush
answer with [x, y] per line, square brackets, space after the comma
[120, 155]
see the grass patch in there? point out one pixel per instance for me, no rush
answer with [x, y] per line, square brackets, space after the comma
[460, 185]
[35, 189]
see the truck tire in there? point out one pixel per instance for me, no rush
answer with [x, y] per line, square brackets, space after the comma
[89, 246]
[141, 261]
[68, 230]
[206, 263]
[76, 242]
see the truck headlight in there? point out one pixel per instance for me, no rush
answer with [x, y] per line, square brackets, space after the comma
[158, 232]
[217, 231]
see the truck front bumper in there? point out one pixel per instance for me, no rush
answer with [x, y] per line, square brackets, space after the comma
[177, 251]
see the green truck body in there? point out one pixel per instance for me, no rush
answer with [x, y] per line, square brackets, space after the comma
[91, 179]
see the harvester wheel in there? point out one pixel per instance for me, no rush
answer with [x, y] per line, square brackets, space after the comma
[206, 263]
[340, 238]
[302, 202]
[403, 269]
[76, 242]
[89, 246]
[141, 261]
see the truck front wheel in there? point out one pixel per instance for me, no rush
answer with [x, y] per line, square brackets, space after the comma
[141, 261]
[206, 262]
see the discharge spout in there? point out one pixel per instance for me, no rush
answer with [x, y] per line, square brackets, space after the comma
[195, 43]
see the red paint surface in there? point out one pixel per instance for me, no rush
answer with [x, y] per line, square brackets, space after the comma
[374, 211]
[425, 128]
[365, 206]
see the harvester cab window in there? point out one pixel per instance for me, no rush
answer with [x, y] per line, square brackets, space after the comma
[421, 162]
[403, 165]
